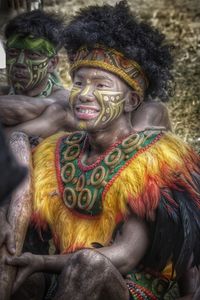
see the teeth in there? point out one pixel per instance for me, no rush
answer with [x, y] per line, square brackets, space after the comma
[86, 111]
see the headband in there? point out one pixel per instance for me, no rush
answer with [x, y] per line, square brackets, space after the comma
[31, 42]
[112, 61]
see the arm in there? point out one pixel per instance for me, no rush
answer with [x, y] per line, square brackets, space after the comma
[16, 109]
[127, 250]
[53, 119]
[129, 246]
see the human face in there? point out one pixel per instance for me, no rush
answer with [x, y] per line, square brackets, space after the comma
[97, 98]
[27, 70]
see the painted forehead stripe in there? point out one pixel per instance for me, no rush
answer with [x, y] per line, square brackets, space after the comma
[31, 43]
[113, 61]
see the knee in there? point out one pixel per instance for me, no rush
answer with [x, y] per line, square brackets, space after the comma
[89, 261]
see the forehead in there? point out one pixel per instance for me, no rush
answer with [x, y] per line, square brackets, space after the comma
[95, 73]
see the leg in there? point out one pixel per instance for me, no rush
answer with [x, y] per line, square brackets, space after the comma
[89, 275]
[32, 289]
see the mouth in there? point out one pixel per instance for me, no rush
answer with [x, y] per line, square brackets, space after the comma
[84, 112]
[19, 77]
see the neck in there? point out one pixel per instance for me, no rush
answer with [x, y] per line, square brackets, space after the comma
[100, 141]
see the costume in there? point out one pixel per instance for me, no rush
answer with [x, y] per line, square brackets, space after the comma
[150, 174]
[144, 173]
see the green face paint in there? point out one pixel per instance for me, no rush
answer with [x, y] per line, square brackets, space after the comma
[24, 73]
[35, 44]
[27, 62]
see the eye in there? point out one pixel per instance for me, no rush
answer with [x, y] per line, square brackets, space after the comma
[33, 55]
[102, 85]
[12, 52]
[77, 83]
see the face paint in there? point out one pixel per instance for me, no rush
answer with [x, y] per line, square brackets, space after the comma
[27, 61]
[30, 42]
[25, 73]
[111, 104]
[75, 91]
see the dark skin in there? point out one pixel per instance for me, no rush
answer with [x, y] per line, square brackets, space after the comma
[36, 116]
[27, 112]
[96, 271]
[44, 116]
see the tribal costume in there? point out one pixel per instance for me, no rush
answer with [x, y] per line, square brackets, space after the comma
[147, 173]
[150, 174]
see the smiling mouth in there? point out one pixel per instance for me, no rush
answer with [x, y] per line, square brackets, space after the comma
[18, 76]
[86, 112]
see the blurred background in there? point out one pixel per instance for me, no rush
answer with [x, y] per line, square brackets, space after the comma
[178, 19]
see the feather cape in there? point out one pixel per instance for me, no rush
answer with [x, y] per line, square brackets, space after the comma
[160, 184]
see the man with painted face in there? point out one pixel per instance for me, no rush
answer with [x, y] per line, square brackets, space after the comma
[123, 205]
[36, 102]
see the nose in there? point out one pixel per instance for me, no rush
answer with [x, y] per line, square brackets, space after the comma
[20, 62]
[86, 94]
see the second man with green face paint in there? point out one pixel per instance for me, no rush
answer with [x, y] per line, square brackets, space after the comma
[35, 100]
[28, 59]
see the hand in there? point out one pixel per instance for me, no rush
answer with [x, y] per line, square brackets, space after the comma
[27, 264]
[6, 234]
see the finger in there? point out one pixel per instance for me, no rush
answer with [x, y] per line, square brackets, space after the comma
[21, 277]
[2, 239]
[10, 243]
[18, 261]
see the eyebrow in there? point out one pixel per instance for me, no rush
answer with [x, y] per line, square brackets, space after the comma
[98, 77]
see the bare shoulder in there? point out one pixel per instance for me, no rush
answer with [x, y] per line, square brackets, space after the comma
[60, 96]
[154, 107]
[151, 114]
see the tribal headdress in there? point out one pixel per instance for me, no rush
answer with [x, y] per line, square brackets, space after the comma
[111, 38]
[46, 28]
[113, 61]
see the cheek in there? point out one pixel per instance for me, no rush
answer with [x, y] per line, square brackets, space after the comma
[73, 96]
[111, 103]
[10, 63]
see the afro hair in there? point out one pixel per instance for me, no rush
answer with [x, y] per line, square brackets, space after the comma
[117, 27]
[39, 24]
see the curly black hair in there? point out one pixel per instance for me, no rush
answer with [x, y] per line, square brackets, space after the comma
[37, 23]
[117, 27]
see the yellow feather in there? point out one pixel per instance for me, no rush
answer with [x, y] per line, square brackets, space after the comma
[74, 231]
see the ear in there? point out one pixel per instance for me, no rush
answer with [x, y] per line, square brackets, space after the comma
[53, 61]
[132, 102]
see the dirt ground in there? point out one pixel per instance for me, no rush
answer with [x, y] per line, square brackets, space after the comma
[180, 21]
